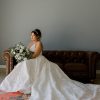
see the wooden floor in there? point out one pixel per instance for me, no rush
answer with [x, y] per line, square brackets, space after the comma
[3, 74]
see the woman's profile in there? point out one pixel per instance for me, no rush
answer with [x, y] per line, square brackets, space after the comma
[44, 80]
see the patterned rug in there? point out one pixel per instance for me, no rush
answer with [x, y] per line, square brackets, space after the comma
[11, 95]
[14, 96]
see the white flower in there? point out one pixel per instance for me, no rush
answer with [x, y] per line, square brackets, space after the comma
[25, 58]
[21, 50]
[22, 47]
[17, 55]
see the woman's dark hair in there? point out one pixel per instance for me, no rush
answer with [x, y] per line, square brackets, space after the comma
[37, 32]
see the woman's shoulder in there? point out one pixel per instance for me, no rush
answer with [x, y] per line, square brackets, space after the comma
[39, 43]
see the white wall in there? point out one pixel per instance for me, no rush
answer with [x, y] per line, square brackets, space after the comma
[65, 24]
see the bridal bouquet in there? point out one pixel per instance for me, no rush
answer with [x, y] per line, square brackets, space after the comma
[20, 52]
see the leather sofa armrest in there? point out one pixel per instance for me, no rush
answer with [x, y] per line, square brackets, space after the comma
[92, 64]
[9, 61]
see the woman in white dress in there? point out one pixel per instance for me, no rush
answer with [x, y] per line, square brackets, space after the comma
[44, 79]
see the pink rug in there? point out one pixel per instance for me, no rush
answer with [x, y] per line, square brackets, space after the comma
[13, 96]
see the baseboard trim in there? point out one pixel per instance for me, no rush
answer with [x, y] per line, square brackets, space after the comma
[2, 66]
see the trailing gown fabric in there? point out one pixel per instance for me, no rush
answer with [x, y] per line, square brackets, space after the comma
[46, 81]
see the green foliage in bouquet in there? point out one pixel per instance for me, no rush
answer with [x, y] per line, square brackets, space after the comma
[20, 52]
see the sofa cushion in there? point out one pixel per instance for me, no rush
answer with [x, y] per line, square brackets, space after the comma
[76, 67]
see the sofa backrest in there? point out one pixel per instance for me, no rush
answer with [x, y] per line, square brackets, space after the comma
[76, 64]
[69, 56]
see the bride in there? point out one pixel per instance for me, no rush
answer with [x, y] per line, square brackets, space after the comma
[44, 80]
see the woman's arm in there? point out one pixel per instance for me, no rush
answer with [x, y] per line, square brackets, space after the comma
[38, 49]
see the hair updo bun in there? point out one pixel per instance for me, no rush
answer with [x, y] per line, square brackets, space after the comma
[37, 32]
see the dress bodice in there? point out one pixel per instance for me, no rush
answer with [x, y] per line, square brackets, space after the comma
[32, 48]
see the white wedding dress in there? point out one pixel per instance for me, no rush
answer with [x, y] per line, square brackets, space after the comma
[46, 81]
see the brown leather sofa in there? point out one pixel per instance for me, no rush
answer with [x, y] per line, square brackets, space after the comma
[78, 65]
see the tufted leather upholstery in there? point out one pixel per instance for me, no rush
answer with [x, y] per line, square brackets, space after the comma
[78, 65]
